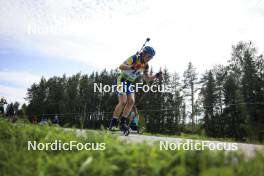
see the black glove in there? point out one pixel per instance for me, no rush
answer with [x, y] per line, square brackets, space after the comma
[133, 68]
[158, 75]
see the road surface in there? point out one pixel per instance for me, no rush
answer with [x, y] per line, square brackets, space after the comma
[247, 149]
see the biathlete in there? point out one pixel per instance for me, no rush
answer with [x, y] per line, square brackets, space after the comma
[132, 68]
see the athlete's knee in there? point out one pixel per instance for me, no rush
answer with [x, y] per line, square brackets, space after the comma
[131, 102]
[122, 103]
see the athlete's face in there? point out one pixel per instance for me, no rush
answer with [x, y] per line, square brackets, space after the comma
[147, 58]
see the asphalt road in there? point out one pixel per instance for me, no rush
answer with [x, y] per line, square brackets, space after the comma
[247, 149]
[170, 143]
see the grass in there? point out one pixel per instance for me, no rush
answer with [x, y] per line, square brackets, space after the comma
[119, 158]
[202, 137]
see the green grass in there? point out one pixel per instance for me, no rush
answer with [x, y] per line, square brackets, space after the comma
[119, 158]
[202, 137]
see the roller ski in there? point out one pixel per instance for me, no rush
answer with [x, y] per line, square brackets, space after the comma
[123, 128]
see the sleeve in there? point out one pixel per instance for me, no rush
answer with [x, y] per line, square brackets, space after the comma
[131, 60]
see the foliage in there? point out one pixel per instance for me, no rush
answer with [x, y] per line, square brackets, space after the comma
[119, 158]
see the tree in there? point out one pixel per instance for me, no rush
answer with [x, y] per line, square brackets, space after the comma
[37, 97]
[235, 114]
[209, 94]
[246, 66]
[220, 72]
[177, 101]
[189, 87]
[12, 109]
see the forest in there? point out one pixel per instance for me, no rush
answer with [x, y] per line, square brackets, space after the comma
[226, 101]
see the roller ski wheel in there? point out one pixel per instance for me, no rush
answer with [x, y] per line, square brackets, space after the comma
[125, 130]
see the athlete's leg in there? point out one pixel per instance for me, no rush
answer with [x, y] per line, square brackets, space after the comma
[129, 105]
[122, 99]
[127, 109]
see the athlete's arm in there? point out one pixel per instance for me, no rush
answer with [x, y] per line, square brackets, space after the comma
[127, 65]
[130, 64]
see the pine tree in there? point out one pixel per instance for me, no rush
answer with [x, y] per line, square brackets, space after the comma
[245, 65]
[220, 72]
[209, 94]
[189, 87]
[235, 114]
[177, 101]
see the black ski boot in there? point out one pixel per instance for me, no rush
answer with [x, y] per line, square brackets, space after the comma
[113, 123]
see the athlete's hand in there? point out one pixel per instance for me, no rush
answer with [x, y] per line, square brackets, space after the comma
[136, 67]
[159, 75]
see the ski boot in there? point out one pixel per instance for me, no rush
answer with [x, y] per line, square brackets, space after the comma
[113, 125]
